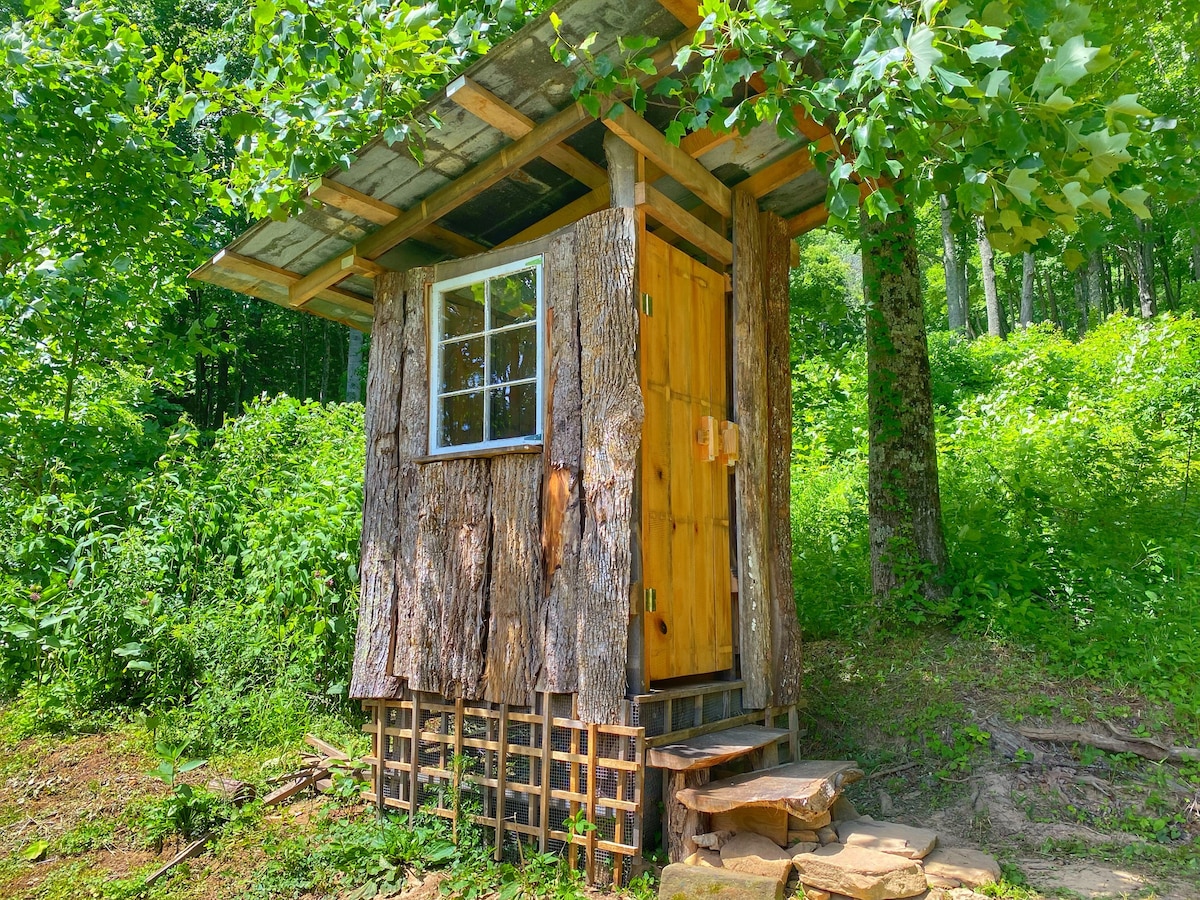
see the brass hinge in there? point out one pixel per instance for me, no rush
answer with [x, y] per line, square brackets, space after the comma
[651, 600]
[647, 305]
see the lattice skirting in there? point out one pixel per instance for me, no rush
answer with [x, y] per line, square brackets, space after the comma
[520, 771]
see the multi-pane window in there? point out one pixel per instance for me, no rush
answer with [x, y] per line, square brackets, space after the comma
[487, 359]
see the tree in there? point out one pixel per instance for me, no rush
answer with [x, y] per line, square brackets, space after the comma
[1028, 271]
[987, 266]
[956, 282]
[961, 98]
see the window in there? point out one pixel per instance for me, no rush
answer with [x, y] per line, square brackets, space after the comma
[486, 389]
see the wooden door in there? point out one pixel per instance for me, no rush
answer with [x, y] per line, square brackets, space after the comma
[684, 496]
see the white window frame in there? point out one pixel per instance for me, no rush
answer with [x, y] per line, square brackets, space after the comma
[436, 343]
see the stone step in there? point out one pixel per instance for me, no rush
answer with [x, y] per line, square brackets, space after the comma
[710, 750]
[804, 788]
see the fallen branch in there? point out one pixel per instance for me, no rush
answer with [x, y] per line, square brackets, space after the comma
[894, 770]
[192, 849]
[1147, 748]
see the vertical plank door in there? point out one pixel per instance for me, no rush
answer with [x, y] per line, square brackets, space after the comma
[685, 497]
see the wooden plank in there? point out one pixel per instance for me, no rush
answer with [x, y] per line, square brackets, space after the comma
[560, 218]
[714, 748]
[700, 142]
[645, 138]
[750, 413]
[329, 273]
[485, 105]
[414, 759]
[326, 748]
[686, 11]
[193, 849]
[665, 210]
[544, 781]
[808, 220]
[804, 788]
[779, 173]
[476, 180]
[245, 265]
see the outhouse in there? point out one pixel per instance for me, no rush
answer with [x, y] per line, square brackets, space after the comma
[576, 541]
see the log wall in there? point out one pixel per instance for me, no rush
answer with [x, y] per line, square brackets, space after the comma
[494, 577]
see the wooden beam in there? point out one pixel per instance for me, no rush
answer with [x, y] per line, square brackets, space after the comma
[329, 273]
[567, 215]
[476, 180]
[646, 139]
[779, 173]
[253, 268]
[811, 218]
[665, 210]
[700, 142]
[686, 11]
[485, 105]
[355, 202]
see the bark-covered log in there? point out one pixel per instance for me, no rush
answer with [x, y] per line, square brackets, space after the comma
[606, 252]
[514, 655]
[463, 628]
[904, 503]
[412, 442]
[785, 627]
[562, 512]
[374, 644]
[680, 823]
[752, 475]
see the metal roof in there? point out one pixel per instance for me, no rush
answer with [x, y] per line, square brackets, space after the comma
[271, 255]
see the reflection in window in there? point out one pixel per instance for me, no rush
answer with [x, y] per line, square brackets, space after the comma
[487, 359]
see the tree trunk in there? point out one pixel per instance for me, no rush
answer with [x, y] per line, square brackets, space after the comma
[904, 502]
[1095, 290]
[1165, 263]
[325, 362]
[956, 286]
[1143, 258]
[1081, 300]
[354, 348]
[1195, 253]
[987, 262]
[1052, 301]
[1028, 270]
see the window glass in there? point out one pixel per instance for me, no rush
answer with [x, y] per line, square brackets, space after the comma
[487, 345]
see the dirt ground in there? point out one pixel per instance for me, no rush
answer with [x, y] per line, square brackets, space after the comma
[1063, 821]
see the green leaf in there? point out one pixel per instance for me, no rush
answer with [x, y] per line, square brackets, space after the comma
[950, 80]
[1069, 65]
[987, 52]
[35, 851]
[924, 54]
[1135, 198]
[1022, 184]
[1127, 105]
[1058, 101]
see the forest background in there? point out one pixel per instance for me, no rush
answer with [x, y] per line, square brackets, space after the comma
[181, 466]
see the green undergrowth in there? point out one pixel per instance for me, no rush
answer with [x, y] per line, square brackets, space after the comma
[1070, 497]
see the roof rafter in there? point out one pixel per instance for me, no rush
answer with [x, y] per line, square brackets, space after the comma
[329, 273]
[666, 211]
[486, 106]
[261, 271]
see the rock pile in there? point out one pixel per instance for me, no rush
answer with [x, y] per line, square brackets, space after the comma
[847, 857]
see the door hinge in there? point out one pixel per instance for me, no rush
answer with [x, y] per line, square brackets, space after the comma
[706, 439]
[647, 305]
[729, 443]
[651, 600]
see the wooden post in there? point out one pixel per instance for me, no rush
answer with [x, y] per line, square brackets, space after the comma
[752, 474]
[622, 170]
[501, 772]
[590, 862]
[380, 743]
[414, 761]
[547, 751]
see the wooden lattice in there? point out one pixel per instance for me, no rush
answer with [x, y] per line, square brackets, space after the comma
[521, 772]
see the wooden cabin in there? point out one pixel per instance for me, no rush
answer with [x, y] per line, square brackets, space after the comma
[576, 544]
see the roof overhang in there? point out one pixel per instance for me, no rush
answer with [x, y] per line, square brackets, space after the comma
[509, 156]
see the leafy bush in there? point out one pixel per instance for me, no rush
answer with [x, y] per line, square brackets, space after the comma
[1069, 494]
[219, 588]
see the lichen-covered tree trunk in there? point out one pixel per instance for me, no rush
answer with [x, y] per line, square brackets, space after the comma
[987, 264]
[1143, 271]
[904, 503]
[606, 251]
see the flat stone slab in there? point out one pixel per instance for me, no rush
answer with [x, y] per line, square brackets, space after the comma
[953, 867]
[756, 855]
[802, 788]
[710, 750]
[861, 874]
[683, 882]
[888, 837]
